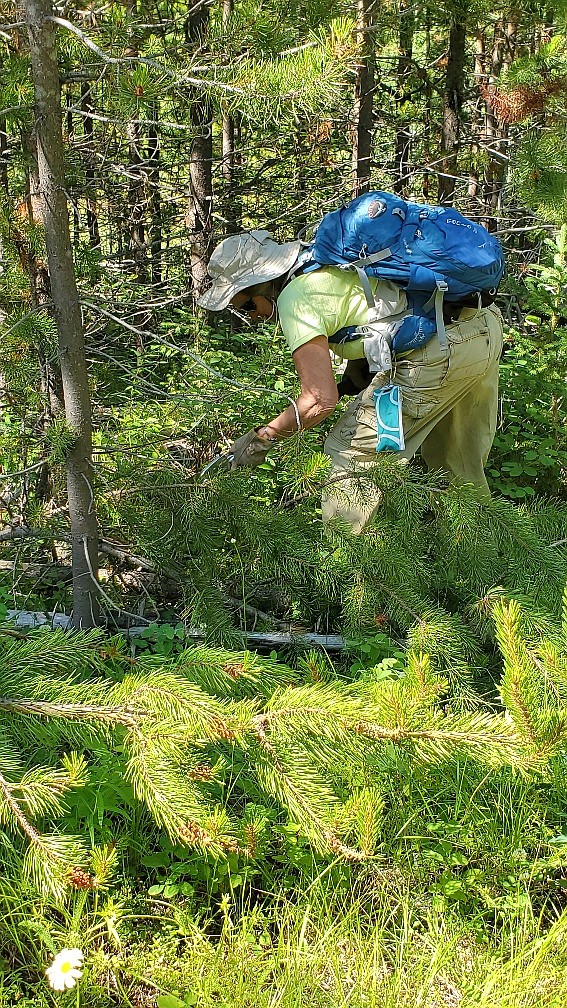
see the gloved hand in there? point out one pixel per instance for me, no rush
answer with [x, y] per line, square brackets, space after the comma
[248, 450]
[377, 338]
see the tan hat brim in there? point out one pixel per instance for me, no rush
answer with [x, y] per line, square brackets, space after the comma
[218, 295]
[222, 290]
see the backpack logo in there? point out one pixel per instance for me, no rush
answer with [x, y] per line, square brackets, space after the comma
[376, 209]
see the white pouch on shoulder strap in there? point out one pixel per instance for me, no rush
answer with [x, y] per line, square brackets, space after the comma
[377, 337]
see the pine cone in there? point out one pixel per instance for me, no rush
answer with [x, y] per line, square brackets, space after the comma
[222, 730]
[80, 879]
[201, 772]
[234, 670]
[193, 833]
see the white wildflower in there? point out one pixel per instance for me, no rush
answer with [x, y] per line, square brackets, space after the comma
[65, 969]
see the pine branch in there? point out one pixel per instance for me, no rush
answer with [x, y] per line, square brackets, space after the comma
[53, 862]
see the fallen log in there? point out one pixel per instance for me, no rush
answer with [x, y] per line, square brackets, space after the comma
[333, 643]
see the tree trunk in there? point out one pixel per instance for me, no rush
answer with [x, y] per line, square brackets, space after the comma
[3, 150]
[90, 176]
[495, 133]
[364, 101]
[478, 125]
[37, 273]
[70, 138]
[232, 205]
[137, 204]
[199, 214]
[155, 199]
[3, 161]
[67, 311]
[427, 115]
[403, 133]
[137, 194]
[453, 97]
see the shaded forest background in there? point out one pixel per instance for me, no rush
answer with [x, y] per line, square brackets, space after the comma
[159, 130]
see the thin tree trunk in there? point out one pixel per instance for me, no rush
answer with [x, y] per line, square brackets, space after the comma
[137, 196]
[503, 51]
[403, 133]
[70, 125]
[137, 204]
[3, 161]
[155, 199]
[427, 115]
[199, 214]
[478, 123]
[3, 157]
[3, 149]
[38, 275]
[67, 310]
[88, 131]
[453, 97]
[364, 101]
[232, 205]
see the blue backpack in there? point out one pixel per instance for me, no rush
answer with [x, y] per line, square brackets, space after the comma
[433, 253]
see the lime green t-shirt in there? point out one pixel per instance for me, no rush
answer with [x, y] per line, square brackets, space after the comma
[322, 302]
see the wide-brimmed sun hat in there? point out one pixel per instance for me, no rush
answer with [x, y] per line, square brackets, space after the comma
[243, 260]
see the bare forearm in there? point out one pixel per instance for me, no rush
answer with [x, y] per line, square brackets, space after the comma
[311, 412]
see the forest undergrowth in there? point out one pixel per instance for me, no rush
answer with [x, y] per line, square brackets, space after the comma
[189, 817]
[383, 826]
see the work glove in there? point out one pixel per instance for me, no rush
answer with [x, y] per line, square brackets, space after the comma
[378, 345]
[248, 451]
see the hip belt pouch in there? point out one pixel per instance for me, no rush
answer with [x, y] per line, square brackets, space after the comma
[389, 426]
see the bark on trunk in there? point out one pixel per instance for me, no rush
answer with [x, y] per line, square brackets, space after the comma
[427, 115]
[137, 194]
[478, 125]
[364, 102]
[232, 212]
[67, 310]
[137, 204]
[453, 97]
[3, 159]
[3, 149]
[155, 200]
[90, 176]
[38, 275]
[199, 214]
[503, 51]
[403, 133]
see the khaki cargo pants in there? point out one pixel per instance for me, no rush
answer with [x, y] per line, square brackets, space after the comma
[449, 406]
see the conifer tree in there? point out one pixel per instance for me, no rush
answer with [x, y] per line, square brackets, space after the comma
[532, 92]
[316, 749]
[67, 311]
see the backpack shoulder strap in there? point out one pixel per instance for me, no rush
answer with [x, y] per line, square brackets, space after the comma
[436, 301]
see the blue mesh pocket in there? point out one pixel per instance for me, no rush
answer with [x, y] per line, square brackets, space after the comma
[389, 425]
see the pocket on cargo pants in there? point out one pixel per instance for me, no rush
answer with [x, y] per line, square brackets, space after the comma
[355, 433]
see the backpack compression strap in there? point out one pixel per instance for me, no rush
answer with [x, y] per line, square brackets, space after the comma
[436, 299]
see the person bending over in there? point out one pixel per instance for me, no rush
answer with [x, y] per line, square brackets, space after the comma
[449, 396]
